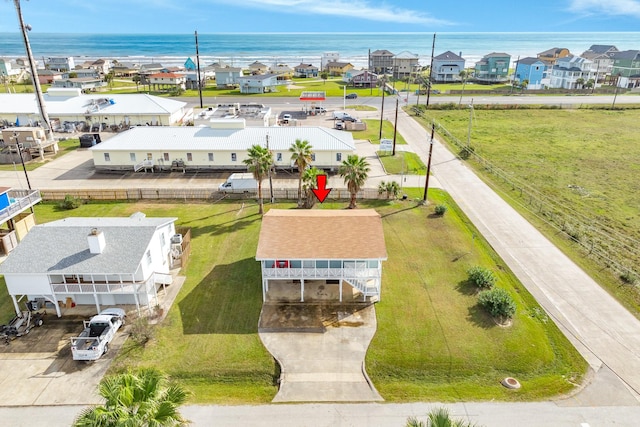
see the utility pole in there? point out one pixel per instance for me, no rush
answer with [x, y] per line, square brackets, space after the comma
[198, 65]
[615, 94]
[395, 128]
[426, 184]
[433, 47]
[19, 146]
[34, 73]
[384, 86]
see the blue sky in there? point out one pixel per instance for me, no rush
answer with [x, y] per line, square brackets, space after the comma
[239, 16]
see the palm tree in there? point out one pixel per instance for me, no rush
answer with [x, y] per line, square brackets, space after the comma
[464, 75]
[259, 163]
[301, 155]
[309, 181]
[580, 82]
[355, 171]
[145, 398]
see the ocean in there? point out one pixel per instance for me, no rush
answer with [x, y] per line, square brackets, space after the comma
[296, 48]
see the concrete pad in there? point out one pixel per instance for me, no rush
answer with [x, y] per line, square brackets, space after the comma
[325, 366]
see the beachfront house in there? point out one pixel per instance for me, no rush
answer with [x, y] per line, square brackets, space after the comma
[59, 63]
[305, 70]
[602, 57]
[346, 254]
[227, 77]
[328, 57]
[405, 64]
[572, 72]
[283, 70]
[550, 56]
[626, 68]
[260, 83]
[219, 146]
[492, 68]
[258, 67]
[381, 61]
[532, 70]
[338, 68]
[92, 261]
[125, 69]
[167, 81]
[447, 67]
[360, 78]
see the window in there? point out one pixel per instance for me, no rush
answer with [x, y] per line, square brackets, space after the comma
[107, 157]
[165, 156]
[234, 157]
[149, 260]
[278, 157]
[338, 157]
[132, 156]
[189, 157]
[210, 157]
[149, 156]
[313, 157]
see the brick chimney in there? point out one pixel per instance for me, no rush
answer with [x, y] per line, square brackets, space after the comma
[96, 240]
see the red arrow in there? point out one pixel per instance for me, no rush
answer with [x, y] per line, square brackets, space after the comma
[322, 191]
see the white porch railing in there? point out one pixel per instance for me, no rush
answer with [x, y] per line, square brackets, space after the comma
[115, 287]
[24, 199]
[320, 273]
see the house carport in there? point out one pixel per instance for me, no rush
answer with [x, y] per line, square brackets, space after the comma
[323, 248]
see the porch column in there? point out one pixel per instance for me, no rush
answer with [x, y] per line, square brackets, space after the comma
[301, 290]
[95, 298]
[15, 305]
[340, 289]
[265, 286]
[135, 297]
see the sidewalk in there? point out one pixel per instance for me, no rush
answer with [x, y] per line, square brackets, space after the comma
[602, 330]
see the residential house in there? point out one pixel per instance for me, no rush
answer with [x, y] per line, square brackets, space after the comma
[190, 65]
[257, 67]
[493, 68]
[328, 57]
[82, 73]
[125, 69]
[381, 61]
[338, 68]
[11, 71]
[152, 68]
[219, 146]
[83, 83]
[260, 83]
[59, 63]
[360, 78]
[447, 67]
[346, 256]
[602, 56]
[305, 70]
[71, 105]
[33, 141]
[48, 76]
[227, 76]
[550, 56]
[532, 70]
[16, 216]
[572, 72]
[626, 68]
[167, 81]
[405, 64]
[102, 66]
[283, 70]
[87, 261]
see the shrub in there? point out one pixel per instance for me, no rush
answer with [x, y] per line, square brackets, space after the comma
[498, 303]
[628, 278]
[481, 277]
[141, 331]
[69, 203]
[440, 210]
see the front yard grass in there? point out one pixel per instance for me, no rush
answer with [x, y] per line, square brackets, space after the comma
[433, 341]
[403, 162]
[373, 130]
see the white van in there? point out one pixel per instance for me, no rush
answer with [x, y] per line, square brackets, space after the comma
[340, 115]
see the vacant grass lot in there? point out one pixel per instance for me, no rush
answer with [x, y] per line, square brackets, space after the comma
[373, 131]
[433, 341]
[584, 160]
[403, 162]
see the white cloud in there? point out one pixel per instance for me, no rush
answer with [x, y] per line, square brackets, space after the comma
[357, 9]
[607, 7]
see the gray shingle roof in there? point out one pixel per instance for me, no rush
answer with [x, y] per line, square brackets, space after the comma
[449, 56]
[529, 60]
[61, 247]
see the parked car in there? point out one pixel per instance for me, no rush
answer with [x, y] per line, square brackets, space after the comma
[349, 119]
[351, 96]
[286, 118]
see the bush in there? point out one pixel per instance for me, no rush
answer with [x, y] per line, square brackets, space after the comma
[628, 278]
[498, 303]
[440, 209]
[481, 277]
[141, 331]
[69, 203]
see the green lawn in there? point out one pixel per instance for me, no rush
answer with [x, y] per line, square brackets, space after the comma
[402, 163]
[582, 160]
[433, 342]
[64, 147]
[373, 131]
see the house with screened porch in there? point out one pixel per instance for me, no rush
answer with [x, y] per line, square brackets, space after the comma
[307, 255]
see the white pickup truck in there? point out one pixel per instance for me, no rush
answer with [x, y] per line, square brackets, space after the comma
[98, 332]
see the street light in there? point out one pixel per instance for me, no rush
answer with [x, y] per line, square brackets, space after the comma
[19, 146]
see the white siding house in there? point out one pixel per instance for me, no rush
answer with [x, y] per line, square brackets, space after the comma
[101, 261]
[215, 148]
[566, 72]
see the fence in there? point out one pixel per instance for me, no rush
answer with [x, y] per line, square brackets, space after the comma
[132, 194]
[603, 242]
